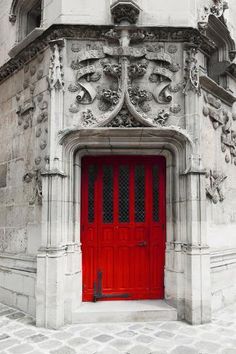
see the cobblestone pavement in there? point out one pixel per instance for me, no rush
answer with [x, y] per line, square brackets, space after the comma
[18, 335]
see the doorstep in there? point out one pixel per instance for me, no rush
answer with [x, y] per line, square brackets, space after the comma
[124, 311]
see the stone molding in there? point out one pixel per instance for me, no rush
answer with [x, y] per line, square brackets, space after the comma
[217, 90]
[100, 33]
[222, 258]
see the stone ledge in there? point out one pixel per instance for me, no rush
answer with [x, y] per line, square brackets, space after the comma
[217, 90]
[222, 259]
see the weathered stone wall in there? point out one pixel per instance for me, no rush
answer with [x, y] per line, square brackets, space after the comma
[23, 135]
[218, 153]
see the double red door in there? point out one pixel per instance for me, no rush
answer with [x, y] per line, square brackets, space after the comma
[123, 227]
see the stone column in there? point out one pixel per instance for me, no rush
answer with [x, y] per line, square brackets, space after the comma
[195, 247]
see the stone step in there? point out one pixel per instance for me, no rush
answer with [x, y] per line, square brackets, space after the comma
[124, 311]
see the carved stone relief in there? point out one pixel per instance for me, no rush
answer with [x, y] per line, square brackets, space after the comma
[213, 110]
[110, 77]
[41, 128]
[191, 70]
[228, 139]
[215, 8]
[222, 118]
[25, 108]
[214, 186]
[34, 178]
[56, 74]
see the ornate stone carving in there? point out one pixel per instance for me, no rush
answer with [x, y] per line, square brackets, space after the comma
[140, 98]
[34, 177]
[124, 120]
[25, 108]
[228, 139]
[214, 111]
[161, 117]
[214, 186]
[192, 71]
[114, 76]
[56, 75]
[37, 47]
[176, 108]
[125, 10]
[108, 99]
[215, 8]
[88, 118]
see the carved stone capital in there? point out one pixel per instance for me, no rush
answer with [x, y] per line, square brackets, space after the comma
[125, 10]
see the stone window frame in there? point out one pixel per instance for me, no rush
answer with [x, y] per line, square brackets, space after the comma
[221, 58]
[18, 15]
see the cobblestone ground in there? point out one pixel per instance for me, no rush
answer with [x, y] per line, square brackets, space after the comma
[18, 335]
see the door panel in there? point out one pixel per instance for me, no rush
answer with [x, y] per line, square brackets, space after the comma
[122, 227]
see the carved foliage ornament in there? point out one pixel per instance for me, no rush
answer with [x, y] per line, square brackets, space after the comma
[111, 77]
[191, 71]
[214, 186]
[221, 118]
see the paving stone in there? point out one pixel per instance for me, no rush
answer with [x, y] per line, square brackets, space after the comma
[182, 339]
[8, 343]
[171, 326]
[62, 335]
[36, 338]
[121, 344]
[148, 329]
[139, 349]
[16, 315]
[63, 350]
[78, 341]
[185, 350]
[27, 320]
[136, 326]
[103, 338]
[164, 334]
[50, 344]
[21, 349]
[90, 333]
[24, 332]
[126, 334]
[91, 348]
[107, 350]
[4, 336]
[144, 339]
[6, 312]
[207, 346]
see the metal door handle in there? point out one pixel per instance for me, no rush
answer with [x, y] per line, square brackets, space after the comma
[142, 243]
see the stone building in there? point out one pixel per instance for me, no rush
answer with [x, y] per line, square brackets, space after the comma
[118, 158]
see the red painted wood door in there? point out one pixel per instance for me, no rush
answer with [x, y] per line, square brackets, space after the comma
[123, 227]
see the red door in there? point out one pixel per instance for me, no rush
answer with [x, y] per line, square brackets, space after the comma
[123, 227]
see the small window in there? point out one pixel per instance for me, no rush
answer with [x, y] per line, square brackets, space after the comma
[33, 17]
[27, 15]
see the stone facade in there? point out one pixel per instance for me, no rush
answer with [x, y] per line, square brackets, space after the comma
[123, 84]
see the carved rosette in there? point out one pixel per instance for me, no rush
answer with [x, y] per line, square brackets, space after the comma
[111, 76]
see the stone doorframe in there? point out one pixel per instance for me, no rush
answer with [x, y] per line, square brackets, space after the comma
[187, 267]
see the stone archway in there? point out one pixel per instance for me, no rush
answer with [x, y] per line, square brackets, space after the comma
[59, 259]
